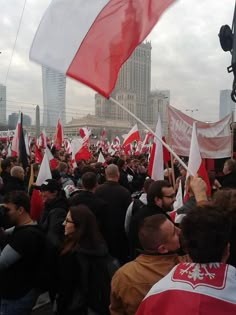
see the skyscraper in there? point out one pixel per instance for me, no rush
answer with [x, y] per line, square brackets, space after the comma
[226, 103]
[132, 87]
[3, 97]
[54, 95]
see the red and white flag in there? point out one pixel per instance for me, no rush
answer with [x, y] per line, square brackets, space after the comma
[67, 37]
[51, 159]
[193, 289]
[195, 163]
[44, 171]
[132, 136]
[79, 151]
[16, 139]
[156, 163]
[58, 138]
[101, 158]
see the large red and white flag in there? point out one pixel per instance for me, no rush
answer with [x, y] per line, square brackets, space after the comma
[132, 136]
[16, 138]
[195, 163]
[51, 159]
[70, 34]
[58, 138]
[214, 139]
[79, 151]
[156, 162]
[193, 289]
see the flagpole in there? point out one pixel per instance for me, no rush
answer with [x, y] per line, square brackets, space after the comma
[155, 135]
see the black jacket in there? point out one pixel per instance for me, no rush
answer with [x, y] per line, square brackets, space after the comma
[14, 183]
[51, 220]
[229, 180]
[117, 199]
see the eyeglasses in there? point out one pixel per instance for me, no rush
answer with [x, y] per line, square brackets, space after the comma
[170, 196]
[68, 221]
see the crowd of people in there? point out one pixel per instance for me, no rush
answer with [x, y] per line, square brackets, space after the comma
[104, 240]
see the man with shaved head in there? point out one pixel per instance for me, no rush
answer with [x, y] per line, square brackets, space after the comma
[117, 199]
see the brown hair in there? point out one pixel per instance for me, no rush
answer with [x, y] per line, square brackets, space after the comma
[87, 234]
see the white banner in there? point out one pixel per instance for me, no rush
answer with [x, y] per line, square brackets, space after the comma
[214, 138]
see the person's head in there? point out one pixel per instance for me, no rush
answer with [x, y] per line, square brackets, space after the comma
[81, 228]
[89, 181]
[6, 165]
[112, 173]
[62, 167]
[18, 172]
[122, 164]
[17, 205]
[158, 234]
[229, 166]
[182, 170]
[161, 194]
[206, 233]
[147, 184]
[50, 189]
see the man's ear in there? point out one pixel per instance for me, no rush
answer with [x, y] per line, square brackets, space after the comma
[162, 249]
[226, 253]
[158, 202]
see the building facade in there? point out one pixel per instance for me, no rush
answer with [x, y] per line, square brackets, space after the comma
[3, 102]
[13, 119]
[133, 91]
[226, 103]
[54, 97]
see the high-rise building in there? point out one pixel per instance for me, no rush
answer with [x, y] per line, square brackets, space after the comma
[226, 103]
[132, 88]
[54, 96]
[13, 119]
[3, 98]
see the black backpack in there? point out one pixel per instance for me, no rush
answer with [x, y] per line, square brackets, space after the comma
[137, 205]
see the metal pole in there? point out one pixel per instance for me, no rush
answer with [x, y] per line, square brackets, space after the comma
[152, 132]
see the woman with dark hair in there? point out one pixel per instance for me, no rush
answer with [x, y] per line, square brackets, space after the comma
[83, 250]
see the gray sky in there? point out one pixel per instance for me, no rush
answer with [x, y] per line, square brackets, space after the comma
[186, 57]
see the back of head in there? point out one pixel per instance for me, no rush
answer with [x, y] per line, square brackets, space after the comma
[17, 171]
[206, 233]
[150, 235]
[147, 184]
[112, 172]
[155, 190]
[62, 167]
[89, 180]
[19, 199]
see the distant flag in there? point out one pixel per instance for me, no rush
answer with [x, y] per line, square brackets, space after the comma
[79, 150]
[67, 37]
[22, 157]
[101, 158]
[44, 171]
[156, 163]
[37, 155]
[51, 159]
[146, 140]
[27, 147]
[58, 138]
[195, 163]
[16, 138]
[133, 135]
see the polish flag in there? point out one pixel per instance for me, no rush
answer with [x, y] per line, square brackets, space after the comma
[101, 158]
[146, 140]
[58, 138]
[37, 155]
[70, 34]
[79, 150]
[44, 171]
[195, 163]
[36, 203]
[51, 159]
[131, 136]
[16, 138]
[156, 163]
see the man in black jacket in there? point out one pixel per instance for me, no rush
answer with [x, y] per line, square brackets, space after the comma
[118, 199]
[54, 212]
[160, 199]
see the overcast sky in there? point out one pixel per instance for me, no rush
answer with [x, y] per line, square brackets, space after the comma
[186, 57]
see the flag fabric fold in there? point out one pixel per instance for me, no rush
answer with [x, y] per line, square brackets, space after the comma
[132, 136]
[67, 37]
[156, 163]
